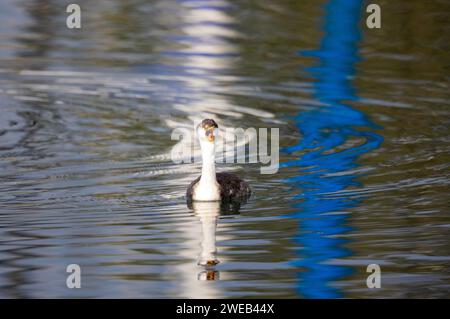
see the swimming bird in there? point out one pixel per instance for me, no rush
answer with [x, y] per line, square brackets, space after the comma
[212, 186]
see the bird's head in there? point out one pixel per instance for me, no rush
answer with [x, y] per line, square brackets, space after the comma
[207, 130]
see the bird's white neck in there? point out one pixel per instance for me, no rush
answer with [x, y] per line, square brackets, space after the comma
[207, 189]
[208, 164]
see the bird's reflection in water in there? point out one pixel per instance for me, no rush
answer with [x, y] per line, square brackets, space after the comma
[208, 213]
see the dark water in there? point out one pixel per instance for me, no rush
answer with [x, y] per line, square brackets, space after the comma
[86, 175]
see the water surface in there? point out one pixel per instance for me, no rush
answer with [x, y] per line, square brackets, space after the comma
[86, 175]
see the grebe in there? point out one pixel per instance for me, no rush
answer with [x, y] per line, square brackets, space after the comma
[212, 186]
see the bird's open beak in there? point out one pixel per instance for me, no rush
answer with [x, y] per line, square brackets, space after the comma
[210, 135]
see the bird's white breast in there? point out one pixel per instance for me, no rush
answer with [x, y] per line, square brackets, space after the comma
[204, 192]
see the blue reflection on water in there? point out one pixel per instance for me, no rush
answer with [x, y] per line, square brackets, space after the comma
[321, 173]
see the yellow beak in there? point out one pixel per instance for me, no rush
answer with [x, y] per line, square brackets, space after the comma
[210, 135]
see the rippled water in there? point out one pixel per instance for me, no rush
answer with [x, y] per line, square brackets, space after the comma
[86, 175]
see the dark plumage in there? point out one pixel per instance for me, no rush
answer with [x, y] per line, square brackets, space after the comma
[231, 187]
[207, 123]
